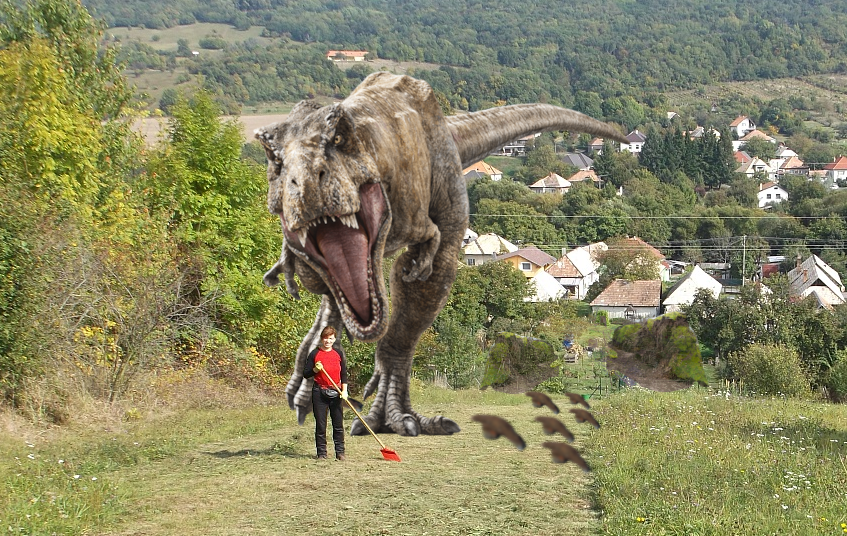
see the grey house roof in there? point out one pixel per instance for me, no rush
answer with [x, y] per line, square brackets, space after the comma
[578, 160]
[812, 275]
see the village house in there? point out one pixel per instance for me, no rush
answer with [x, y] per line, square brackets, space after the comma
[551, 184]
[482, 169]
[635, 142]
[596, 145]
[630, 299]
[485, 248]
[515, 147]
[836, 170]
[756, 166]
[576, 270]
[742, 125]
[752, 135]
[741, 157]
[771, 193]
[578, 160]
[346, 55]
[546, 287]
[528, 260]
[683, 291]
[813, 277]
[635, 244]
[793, 166]
[585, 175]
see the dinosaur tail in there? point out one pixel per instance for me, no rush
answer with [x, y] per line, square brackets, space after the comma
[478, 133]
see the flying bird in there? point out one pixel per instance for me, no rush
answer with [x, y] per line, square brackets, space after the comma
[584, 416]
[553, 425]
[576, 398]
[494, 427]
[541, 399]
[562, 452]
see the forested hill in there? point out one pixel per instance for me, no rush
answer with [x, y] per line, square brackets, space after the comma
[546, 49]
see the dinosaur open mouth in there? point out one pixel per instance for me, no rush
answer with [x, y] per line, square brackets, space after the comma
[347, 250]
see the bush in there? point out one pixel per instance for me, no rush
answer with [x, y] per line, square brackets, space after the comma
[213, 42]
[770, 369]
[602, 317]
[836, 379]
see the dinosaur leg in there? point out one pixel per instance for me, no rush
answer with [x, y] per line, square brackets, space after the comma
[415, 305]
[299, 389]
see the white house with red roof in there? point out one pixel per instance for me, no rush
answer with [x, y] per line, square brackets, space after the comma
[754, 166]
[346, 55]
[576, 270]
[481, 169]
[793, 166]
[837, 169]
[771, 193]
[742, 125]
[752, 135]
[551, 184]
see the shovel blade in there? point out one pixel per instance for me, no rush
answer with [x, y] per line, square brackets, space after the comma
[390, 455]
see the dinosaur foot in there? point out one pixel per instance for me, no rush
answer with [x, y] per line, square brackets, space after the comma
[392, 413]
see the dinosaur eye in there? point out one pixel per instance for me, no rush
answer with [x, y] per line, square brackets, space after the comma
[338, 139]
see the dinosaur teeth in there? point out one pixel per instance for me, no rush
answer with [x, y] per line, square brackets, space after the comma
[349, 220]
[302, 235]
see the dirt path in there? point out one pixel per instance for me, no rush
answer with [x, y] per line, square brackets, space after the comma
[646, 376]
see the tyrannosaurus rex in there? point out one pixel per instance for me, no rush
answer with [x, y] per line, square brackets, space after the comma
[364, 178]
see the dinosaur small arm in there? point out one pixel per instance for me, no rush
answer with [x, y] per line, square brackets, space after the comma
[365, 178]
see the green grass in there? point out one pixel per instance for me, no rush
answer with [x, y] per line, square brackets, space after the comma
[689, 462]
[507, 164]
[168, 37]
[701, 462]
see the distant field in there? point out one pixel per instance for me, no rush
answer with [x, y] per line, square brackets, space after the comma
[829, 93]
[151, 128]
[167, 38]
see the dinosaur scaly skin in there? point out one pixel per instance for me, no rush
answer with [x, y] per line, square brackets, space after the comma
[367, 177]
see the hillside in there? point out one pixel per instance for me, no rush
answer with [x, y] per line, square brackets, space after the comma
[569, 53]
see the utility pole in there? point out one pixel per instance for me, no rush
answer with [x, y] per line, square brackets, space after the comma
[743, 257]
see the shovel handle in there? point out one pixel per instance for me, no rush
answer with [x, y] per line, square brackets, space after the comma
[381, 444]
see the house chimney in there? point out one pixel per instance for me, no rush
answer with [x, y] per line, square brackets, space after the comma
[798, 260]
[564, 251]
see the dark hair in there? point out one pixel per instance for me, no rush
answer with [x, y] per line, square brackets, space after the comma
[327, 331]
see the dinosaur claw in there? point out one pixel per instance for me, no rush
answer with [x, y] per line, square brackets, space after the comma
[302, 412]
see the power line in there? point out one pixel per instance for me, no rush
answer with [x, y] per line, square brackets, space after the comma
[613, 216]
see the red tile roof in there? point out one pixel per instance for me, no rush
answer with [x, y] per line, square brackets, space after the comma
[564, 268]
[838, 164]
[483, 167]
[622, 292]
[583, 175]
[634, 243]
[738, 120]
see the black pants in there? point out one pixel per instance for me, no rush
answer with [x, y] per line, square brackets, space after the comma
[321, 405]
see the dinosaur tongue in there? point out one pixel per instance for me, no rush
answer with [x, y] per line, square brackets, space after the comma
[345, 251]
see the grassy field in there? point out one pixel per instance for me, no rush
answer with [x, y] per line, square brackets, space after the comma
[691, 462]
[166, 39]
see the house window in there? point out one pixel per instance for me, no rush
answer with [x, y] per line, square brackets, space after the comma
[779, 196]
[525, 266]
[471, 262]
[769, 196]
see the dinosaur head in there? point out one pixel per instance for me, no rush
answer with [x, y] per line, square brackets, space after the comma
[335, 216]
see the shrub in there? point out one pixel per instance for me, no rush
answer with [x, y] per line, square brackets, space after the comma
[602, 317]
[836, 379]
[770, 369]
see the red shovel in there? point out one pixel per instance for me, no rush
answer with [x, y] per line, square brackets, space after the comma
[387, 453]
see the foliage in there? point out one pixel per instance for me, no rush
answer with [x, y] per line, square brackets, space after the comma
[513, 354]
[836, 379]
[770, 370]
